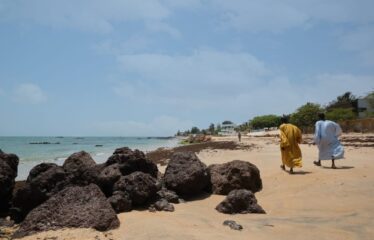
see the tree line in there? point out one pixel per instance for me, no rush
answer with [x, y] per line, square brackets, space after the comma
[344, 107]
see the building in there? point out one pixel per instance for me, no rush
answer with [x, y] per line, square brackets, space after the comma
[227, 128]
[364, 108]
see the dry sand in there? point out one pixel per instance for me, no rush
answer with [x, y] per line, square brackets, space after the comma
[315, 203]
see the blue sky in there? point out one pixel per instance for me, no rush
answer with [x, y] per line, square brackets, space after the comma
[147, 68]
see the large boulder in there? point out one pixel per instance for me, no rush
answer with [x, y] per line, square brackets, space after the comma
[186, 174]
[76, 164]
[240, 201]
[8, 173]
[140, 186]
[132, 161]
[73, 207]
[236, 174]
[44, 180]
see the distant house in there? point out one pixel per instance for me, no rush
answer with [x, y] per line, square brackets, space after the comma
[364, 108]
[227, 128]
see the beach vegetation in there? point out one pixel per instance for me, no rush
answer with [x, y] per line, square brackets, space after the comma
[340, 114]
[265, 121]
[306, 116]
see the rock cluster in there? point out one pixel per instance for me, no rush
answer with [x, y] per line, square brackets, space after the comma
[82, 193]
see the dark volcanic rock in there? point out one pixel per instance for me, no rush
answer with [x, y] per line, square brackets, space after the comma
[233, 225]
[44, 180]
[120, 202]
[74, 207]
[8, 173]
[140, 186]
[236, 174]
[186, 174]
[169, 195]
[76, 164]
[107, 177]
[162, 205]
[132, 161]
[240, 201]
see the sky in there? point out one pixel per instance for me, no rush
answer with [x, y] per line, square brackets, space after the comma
[153, 67]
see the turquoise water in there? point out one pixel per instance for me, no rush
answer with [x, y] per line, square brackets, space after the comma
[60, 148]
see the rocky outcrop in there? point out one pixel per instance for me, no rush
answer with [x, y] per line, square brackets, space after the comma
[74, 207]
[132, 161]
[186, 174]
[8, 173]
[76, 164]
[140, 186]
[240, 201]
[161, 205]
[44, 180]
[107, 177]
[233, 175]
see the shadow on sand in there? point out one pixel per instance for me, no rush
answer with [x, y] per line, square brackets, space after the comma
[340, 167]
[301, 172]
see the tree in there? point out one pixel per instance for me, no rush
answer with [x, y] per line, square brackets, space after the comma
[339, 114]
[211, 128]
[306, 116]
[195, 130]
[218, 128]
[265, 121]
[227, 122]
[346, 100]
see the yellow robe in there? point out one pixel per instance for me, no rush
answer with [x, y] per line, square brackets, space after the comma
[290, 137]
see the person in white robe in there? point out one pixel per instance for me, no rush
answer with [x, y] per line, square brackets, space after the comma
[326, 137]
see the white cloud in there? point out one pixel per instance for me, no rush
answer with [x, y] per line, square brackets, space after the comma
[29, 93]
[159, 126]
[231, 84]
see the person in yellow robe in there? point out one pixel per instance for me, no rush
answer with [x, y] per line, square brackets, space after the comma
[290, 137]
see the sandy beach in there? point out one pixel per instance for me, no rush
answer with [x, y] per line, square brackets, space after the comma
[314, 203]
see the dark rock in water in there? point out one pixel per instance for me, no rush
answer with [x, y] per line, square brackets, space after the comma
[240, 201]
[186, 174]
[8, 173]
[140, 186]
[73, 207]
[76, 164]
[162, 205]
[233, 225]
[44, 180]
[236, 174]
[169, 195]
[120, 202]
[99, 145]
[107, 177]
[132, 161]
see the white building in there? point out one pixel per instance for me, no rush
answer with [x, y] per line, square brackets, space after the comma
[227, 128]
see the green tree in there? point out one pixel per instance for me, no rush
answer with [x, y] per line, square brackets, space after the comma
[265, 121]
[195, 130]
[218, 128]
[339, 114]
[346, 100]
[306, 116]
[211, 128]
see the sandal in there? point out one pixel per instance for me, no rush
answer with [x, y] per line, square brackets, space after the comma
[317, 163]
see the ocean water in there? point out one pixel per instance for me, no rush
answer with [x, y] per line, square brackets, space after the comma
[31, 152]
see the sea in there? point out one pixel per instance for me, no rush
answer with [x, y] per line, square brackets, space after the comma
[35, 150]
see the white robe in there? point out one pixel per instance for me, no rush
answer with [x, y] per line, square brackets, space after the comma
[326, 137]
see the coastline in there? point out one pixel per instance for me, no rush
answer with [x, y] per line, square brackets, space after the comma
[315, 203]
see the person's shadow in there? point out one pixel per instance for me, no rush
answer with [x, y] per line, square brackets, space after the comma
[339, 168]
[301, 173]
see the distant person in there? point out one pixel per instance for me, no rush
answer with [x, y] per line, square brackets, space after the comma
[326, 137]
[239, 136]
[290, 137]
